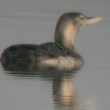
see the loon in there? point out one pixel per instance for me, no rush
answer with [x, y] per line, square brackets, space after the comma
[60, 54]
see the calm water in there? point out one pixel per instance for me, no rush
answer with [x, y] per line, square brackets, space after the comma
[31, 21]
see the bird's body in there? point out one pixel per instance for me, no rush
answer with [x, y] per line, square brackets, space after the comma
[60, 54]
[25, 57]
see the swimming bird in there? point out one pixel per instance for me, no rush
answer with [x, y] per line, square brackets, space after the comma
[60, 54]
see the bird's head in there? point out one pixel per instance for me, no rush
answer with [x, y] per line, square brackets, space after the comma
[70, 23]
[78, 19]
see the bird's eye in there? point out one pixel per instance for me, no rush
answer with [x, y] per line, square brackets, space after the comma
[82, 17]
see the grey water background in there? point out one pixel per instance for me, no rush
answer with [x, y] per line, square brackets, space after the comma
[33, 21]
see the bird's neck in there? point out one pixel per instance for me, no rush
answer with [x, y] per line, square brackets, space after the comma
[65, 35]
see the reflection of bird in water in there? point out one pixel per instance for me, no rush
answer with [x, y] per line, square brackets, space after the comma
[63, 93]
[60, 54]
[62, 90]
[66, 98]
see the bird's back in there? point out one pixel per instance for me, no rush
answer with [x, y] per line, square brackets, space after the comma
[18, 56]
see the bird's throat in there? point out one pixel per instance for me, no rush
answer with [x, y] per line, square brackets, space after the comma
[66, 35]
